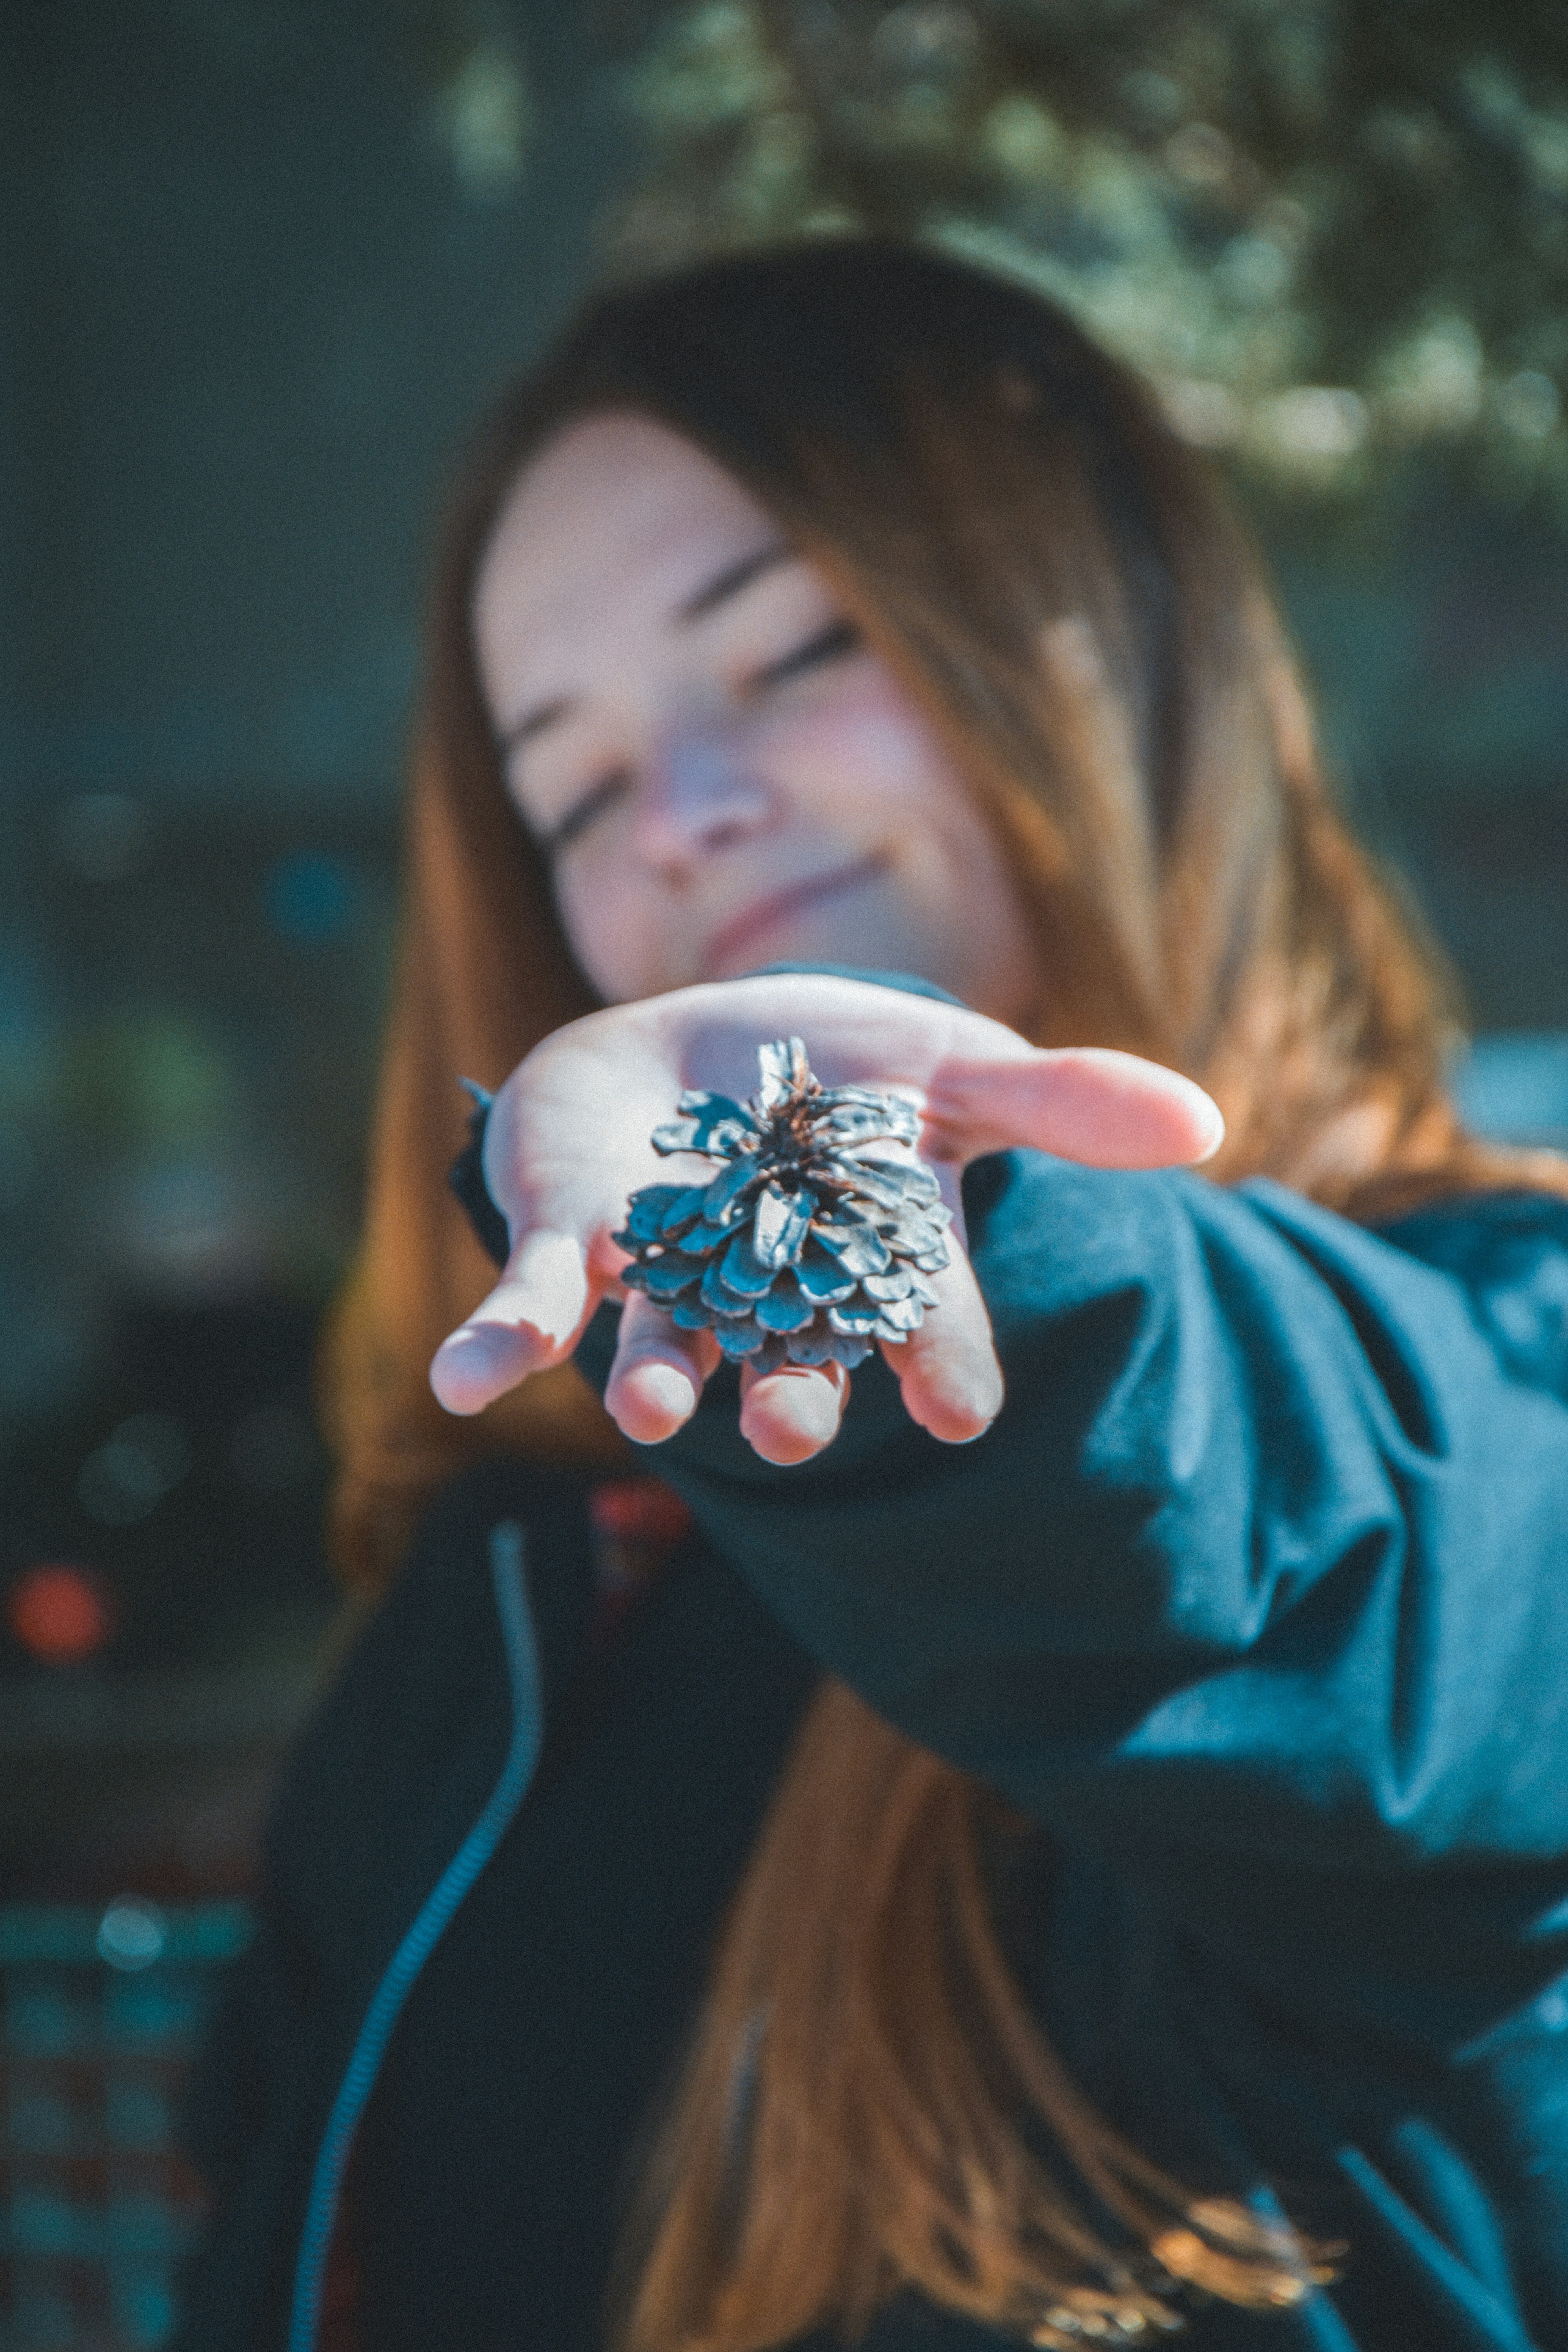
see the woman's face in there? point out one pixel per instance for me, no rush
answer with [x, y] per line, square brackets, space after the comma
[721, 775]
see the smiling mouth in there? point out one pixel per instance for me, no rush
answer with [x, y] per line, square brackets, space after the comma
[766, 914]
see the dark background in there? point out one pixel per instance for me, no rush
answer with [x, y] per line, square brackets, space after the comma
[262, 264]
[256, 286]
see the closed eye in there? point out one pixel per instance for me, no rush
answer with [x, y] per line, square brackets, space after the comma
[595, 803]
[838, 638]
[829, 644]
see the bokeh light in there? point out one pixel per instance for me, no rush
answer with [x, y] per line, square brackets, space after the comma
[127, 1477]
[132, 1934]
[60, 1612]
[644, 1510]
[310, 896]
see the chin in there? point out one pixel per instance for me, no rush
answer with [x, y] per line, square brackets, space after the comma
[859, 931]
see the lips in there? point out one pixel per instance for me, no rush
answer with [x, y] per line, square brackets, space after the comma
[734, 942]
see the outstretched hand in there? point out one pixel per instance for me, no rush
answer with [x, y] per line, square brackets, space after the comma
[567, 1143]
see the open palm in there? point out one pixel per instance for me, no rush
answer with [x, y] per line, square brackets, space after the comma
[568, 1142]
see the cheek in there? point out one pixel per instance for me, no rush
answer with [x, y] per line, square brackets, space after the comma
[620, 932]
[870, 766]
[600, 917]
[867, 753]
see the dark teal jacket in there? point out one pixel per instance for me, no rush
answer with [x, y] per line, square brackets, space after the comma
[1255, 1599]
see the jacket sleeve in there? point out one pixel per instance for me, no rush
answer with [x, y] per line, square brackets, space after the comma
[1266, 1558]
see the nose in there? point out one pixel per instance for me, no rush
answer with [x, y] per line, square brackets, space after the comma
[698, 794]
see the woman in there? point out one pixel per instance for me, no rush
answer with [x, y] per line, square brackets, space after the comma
[1072, 1845]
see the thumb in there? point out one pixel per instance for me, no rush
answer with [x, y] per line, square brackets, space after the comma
[1090, 1104]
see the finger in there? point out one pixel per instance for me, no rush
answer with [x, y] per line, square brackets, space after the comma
[657, 1374]
[534, 1317]
[947, 1371]
[788, 1415]
[1090, 1104]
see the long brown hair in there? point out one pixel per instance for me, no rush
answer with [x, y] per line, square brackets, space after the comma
[1061, 585]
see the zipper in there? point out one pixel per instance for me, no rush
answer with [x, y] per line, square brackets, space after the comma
[506, 1553]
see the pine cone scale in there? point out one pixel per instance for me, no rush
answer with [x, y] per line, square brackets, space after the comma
[667, 1278]
[779, 1312]
[825, 1280]
[724, 1192]
[746, 1274]
[859, 1249]
[683, 1212]
[700, 1241]
[780, 1223]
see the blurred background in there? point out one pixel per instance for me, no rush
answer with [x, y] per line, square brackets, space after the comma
[262, 262]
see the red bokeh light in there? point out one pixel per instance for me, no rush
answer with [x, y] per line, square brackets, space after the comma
[60, 1612]
[640, 1510]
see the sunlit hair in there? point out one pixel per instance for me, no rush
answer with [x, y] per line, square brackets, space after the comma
[1060, 585]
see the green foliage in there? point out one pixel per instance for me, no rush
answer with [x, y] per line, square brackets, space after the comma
[1330, 231]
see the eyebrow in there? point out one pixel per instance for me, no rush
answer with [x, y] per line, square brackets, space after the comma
[708, 599]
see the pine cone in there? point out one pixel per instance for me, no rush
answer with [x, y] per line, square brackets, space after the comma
[801, 1250]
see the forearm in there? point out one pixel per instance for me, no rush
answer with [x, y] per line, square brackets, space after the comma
[1171, 1595]
[1254, 1555]
[1146, 1327]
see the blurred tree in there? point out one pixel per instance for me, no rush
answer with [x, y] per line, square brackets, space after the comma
[1332, 232]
